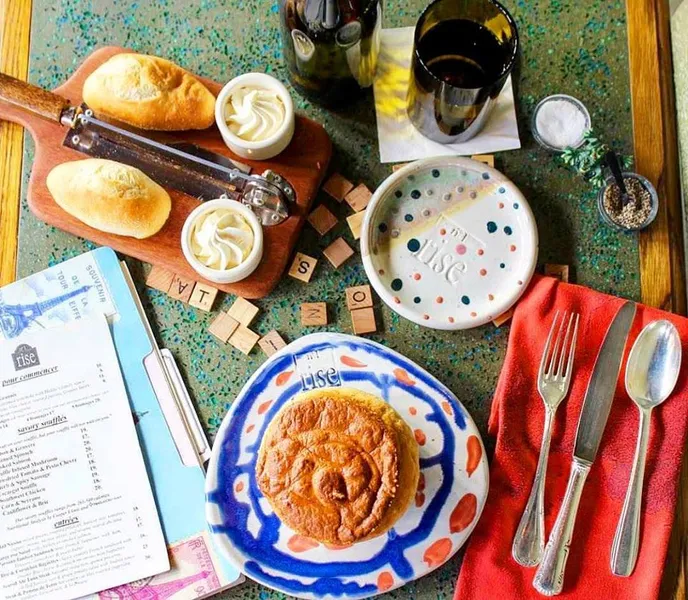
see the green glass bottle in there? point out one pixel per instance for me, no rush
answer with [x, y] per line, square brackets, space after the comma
[331, 46]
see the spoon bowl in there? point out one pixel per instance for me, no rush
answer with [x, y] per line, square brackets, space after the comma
[651, 374]
[653, 364]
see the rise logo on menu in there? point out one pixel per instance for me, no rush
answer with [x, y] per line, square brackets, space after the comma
[25, 357]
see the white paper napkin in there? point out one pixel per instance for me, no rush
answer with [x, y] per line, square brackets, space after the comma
[399, 140]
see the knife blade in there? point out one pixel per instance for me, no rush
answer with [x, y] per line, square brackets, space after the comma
[600, 392]
[549, 578]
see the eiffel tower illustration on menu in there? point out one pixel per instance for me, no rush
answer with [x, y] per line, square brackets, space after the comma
[154, 591]
[15, 318]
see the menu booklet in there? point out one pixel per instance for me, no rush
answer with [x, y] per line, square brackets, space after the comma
[77, 513]
[170, 435]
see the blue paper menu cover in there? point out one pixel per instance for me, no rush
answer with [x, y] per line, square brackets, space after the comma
[96, 282]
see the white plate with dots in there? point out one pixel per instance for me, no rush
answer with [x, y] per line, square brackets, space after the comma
[449, 243]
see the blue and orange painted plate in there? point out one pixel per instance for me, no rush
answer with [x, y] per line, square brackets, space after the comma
[450, 497]
[449, 243]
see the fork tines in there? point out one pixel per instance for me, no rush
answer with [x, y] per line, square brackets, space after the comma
[557, 364]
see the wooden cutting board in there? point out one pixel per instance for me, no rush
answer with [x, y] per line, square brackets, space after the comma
[303, 164]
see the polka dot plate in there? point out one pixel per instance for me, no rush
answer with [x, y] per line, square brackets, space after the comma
[449, 243]
[448, 502]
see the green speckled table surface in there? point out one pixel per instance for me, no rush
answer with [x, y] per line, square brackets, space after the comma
[572, 47]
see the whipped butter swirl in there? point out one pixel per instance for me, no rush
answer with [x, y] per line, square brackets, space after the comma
[254, 113]
[221, 239]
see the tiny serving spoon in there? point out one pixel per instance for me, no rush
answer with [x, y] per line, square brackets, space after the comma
[651, 375]
[613, 163]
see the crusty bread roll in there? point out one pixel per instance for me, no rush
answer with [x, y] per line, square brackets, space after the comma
[110, 196]
[149, 93]
[338, 465]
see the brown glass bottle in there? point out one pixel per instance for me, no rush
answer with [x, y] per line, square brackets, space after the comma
[331, 46]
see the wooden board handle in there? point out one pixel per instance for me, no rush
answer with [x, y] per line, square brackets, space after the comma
[31, 98]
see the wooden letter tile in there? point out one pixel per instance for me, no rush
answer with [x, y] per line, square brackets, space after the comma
[338, 186]
[303, 266]
[338, 252]
[181, 288]
[322, 219]
[355, 222]
[363, 320]
[271, 343]
[503, 318]
[561, 272]
[243, 311]
[160, 279]
[243, 339]
[488, 159]
[359, 197]
[223, 327]
[314, 313]
[359, 297]
[203, 296]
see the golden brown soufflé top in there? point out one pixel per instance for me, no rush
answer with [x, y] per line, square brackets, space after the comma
[331, 465]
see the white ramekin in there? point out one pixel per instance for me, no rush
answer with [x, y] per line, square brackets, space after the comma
[263, 149]
[242, 270]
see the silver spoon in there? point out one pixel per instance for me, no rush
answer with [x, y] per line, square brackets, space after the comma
[651, 375]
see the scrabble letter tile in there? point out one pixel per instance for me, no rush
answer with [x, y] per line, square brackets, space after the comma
[314, 313]
[181, 288]
[243, 339]
[561, 272]
[359, 197]
[359, 297]
[488, 159]
[243, 311]
[223, 327]
[322, 219]
[338, 186]
[271, 343]
[503, 318]
[338, 252]
[203, 296]
[160, 279]
[363, 320]
[355, 222]
[303, 266]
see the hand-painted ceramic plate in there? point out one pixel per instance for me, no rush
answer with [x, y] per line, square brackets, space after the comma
[449, 243]
[449, 499]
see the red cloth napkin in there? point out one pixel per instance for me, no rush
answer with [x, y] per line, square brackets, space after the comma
[516, 419]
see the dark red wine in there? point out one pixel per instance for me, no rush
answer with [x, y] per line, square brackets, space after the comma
[463, 53]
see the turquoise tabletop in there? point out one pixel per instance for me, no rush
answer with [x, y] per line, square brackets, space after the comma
[568, 47]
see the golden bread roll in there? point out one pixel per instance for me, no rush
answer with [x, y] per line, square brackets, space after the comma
[149, 93]
[338, 465]
[110, 196]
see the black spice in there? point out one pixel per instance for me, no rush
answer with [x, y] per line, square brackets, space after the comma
[633, 213]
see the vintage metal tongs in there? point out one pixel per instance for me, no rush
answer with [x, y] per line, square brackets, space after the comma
[182, 166]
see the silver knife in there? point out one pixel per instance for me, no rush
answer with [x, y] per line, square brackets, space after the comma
[549, 578]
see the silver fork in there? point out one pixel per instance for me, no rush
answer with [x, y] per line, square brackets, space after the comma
[554, 378]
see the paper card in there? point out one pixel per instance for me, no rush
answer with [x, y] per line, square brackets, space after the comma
[66, 292]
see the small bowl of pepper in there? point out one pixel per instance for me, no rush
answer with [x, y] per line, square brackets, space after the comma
[635, 212]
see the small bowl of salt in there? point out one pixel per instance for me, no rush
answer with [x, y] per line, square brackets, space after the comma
[559, 122]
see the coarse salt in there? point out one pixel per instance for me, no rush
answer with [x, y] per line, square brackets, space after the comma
[561, 123]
